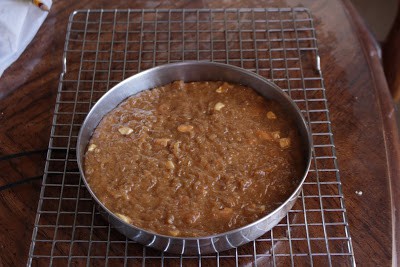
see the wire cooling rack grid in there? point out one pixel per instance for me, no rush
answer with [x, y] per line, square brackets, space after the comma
[104, 47]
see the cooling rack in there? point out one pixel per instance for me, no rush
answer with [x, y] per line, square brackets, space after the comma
[104, 47]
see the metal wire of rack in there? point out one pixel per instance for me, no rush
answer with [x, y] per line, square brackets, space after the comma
[104, 47]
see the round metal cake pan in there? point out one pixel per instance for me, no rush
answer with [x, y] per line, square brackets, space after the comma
[193, 71]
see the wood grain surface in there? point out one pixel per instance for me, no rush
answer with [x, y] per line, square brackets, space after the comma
[361, 110]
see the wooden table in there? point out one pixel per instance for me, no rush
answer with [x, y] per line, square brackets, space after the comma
[362, 115]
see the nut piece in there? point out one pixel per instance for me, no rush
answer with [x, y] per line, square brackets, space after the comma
[125, 130]
[174, 232]
[170, 219]
[284, 142]
[219, 106]
[276, 135]
[185, 128]
[92, 147]
[271, 115]
[175, 148]
[219, 90]
[223, 88]
[170, 165]
[162, 141]
[124, 218]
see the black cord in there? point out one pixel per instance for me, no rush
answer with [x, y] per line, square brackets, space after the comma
[26, 180]
[30, 179]
[23, 154]
[18, 155]
[19, 182]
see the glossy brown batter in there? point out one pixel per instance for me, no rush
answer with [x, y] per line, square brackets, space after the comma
[194, 159]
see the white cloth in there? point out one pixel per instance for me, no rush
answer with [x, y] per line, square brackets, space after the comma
[19, 22]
